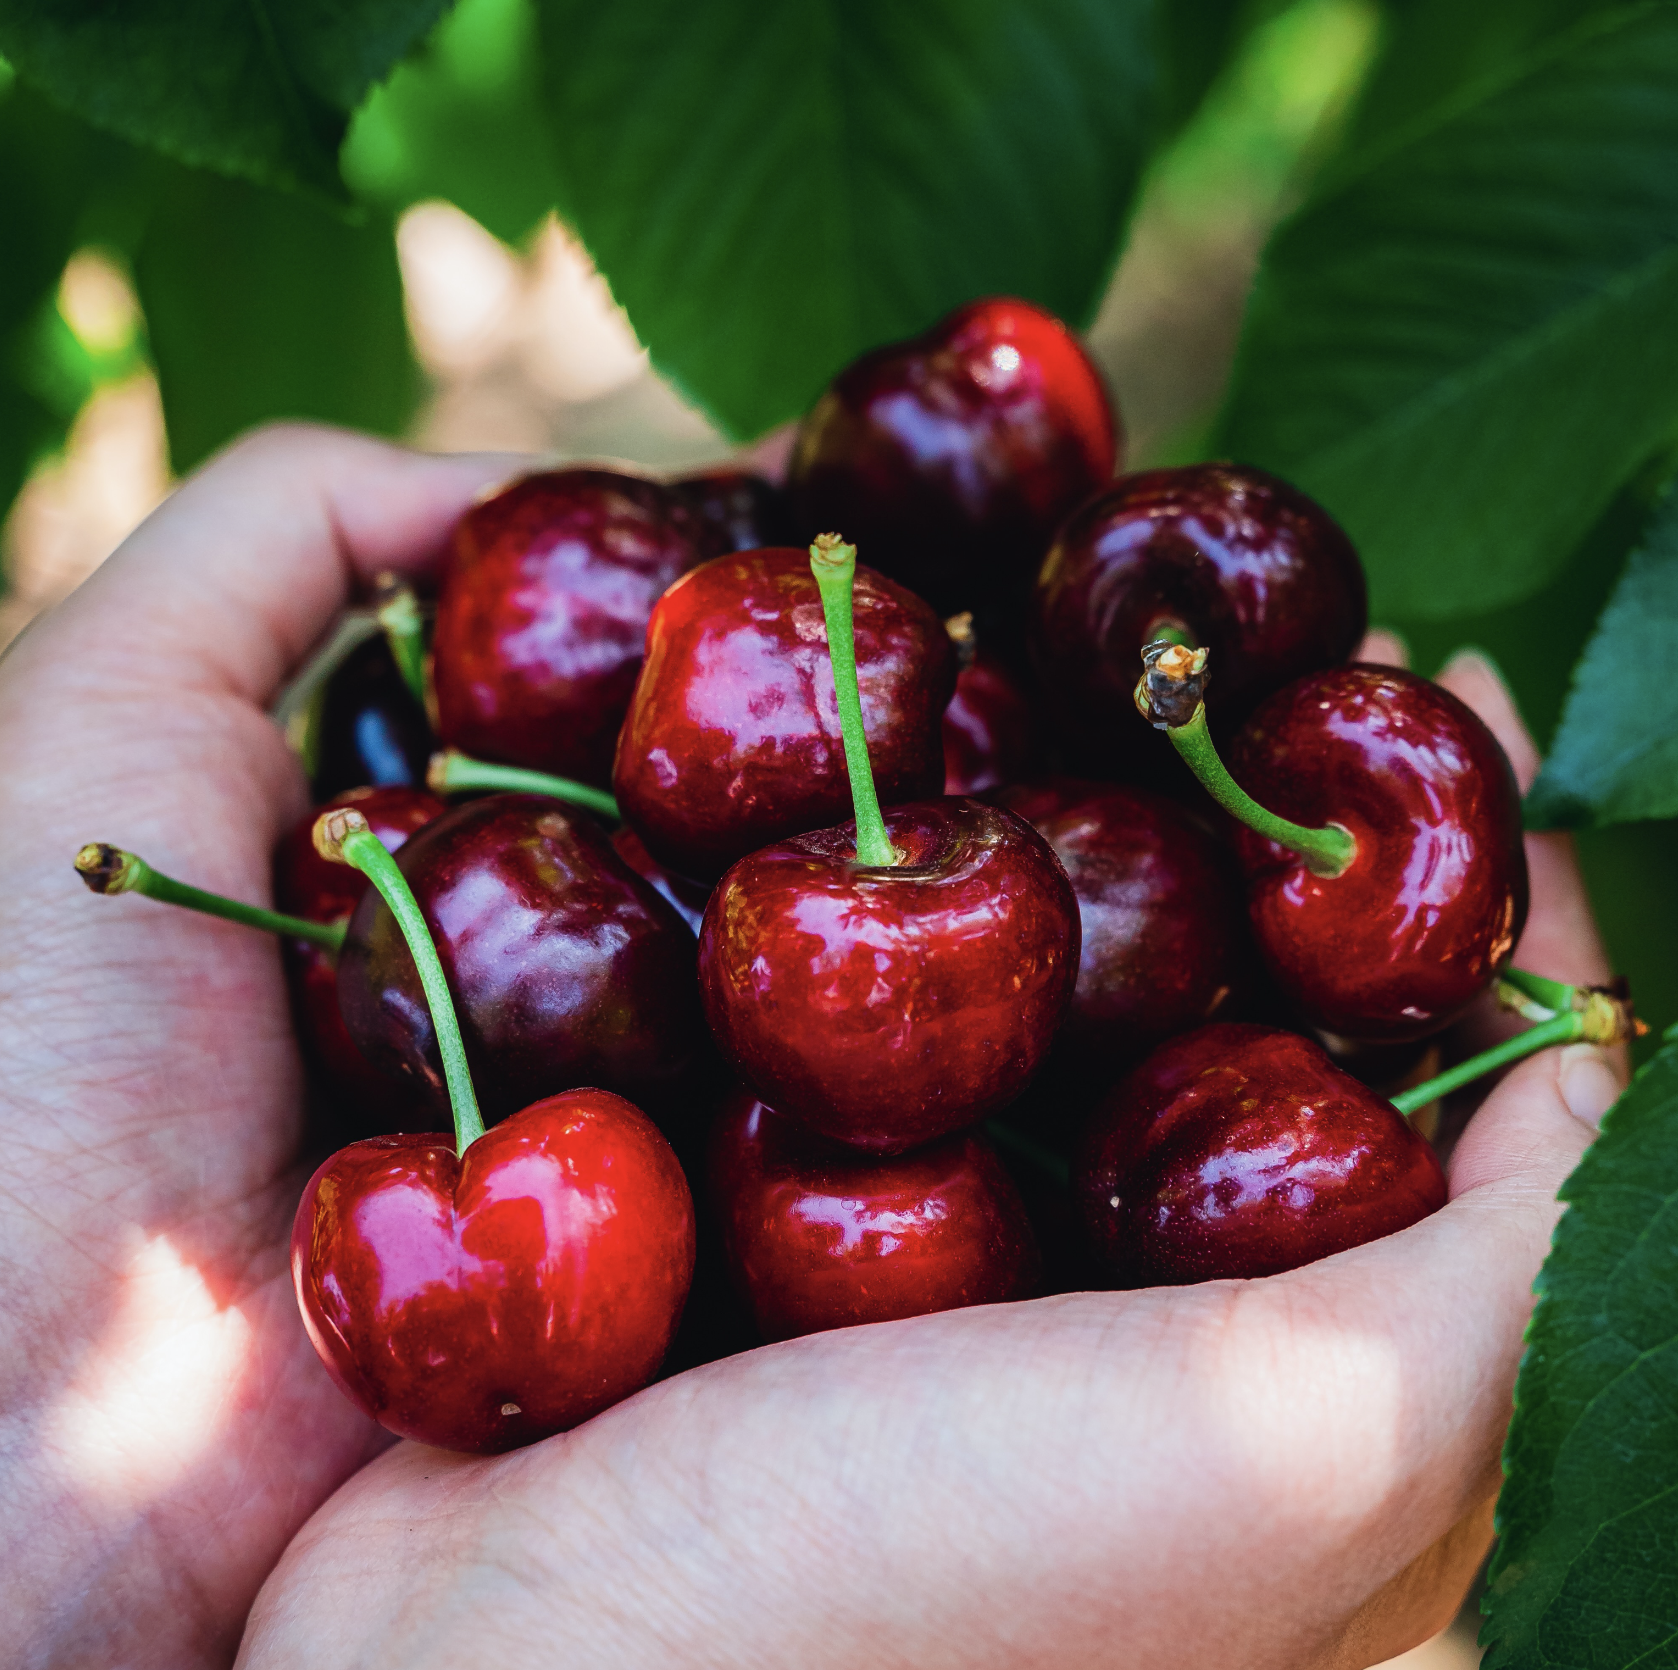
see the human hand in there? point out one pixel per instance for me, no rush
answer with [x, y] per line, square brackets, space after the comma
[1291, 1473]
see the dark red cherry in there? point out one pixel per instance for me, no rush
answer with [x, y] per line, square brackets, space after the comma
[1242, 1151]
[1432, 904]
[566, 967]
[1165, 941]
[884, 1007]
[687, 897]
[819, 1236]
[950, 459]
[362, 1100]
[741, 511]
[485, 1302]
[1230, 558]
[369, 728]
[732, 738]
[990, 732]
[543, 613]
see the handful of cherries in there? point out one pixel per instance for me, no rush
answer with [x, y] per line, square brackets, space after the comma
[674, 943]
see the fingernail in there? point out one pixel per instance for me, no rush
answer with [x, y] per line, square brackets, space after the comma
[1471, 656]
[1588, 1085]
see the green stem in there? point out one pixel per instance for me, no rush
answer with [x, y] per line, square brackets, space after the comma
[345, 837]
[398, 613]
[1562, 1029]
[108, 869]
[452, 772]
[834, 565]
[1551, 994]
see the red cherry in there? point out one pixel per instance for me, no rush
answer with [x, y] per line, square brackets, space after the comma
[543, 613]
[1242, 1151]
[567, 968]
[740, 511]
[686, 897]
[990, 737]
[732, 738]
[1165, 941]
[887, 1006]
[818, 1236]
[1231, 558]
[950, 459]
[1435, 898]
[484, 1302]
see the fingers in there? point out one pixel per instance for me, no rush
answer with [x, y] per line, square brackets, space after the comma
[1383, 648]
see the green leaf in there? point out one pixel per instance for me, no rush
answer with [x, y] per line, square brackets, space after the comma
[260, 89]
[1463, 347]
[1615, 757]
[265, 306]
[773, 189]
[1583, 1578]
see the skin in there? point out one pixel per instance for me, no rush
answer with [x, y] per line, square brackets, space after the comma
[1294, 1474]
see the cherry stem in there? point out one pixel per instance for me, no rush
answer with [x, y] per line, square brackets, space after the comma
[452, 772]
[1594, 1014]
[108, 869]
[1549, 994]
[1169, 697]
[833, 563]
[398, 612]
[344, 837]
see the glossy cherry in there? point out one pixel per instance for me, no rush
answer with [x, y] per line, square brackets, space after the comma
[741, 511]
[818, 1236]
[990, 732]
[686, 897]
[1243, 1151]
[950, 459]
[1164, 929]
[567, 967]
[369, 730]
[732, 739]
[887, 1005]
[542, 615]
[1430, 907]
[1221, 555]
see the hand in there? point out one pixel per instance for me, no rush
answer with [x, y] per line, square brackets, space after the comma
[1292, 1473]
[164, 1424]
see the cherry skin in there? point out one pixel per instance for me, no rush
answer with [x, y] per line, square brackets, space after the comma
[371, 730]
[1240, 1151]
[1431, 907]
[1165, 941]
[741, 511]
[1234, 560]
[949, 460]
[732, 739]
[363, 1100]
[818, 1236]
[485, 1302]
[686, 897]
[887, 1006]
[990, 737]
[542, 615]
[567, 968]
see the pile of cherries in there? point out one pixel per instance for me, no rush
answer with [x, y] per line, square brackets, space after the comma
[1019, 1030]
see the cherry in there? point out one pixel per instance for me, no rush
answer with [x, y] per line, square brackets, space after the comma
[485, 1293]
[543, 610]
[368, 728]
[686, 897]
[1380, 840]
[1215, 555]
[818, 1236]
[889, 980]
[733, 740]
[1241, 1150]
[989, 735]
[741, 511]
[1165, 942]
[569, 969]
[951, 458]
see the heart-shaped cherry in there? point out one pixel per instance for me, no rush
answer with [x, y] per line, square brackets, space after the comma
[889, 980]
[990, 734]
[1214, 555]
[732, 739]
[367, 728]
[485, 1293]
[1386, 875]
[952, 457]
[1243, 1151]
[741, 511]
[818, 1236]
[542, 615]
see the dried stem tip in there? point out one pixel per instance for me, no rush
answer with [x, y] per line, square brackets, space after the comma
[831, 551]
[960, 629]
[437, 772]
[106, 869]
[1173, 683]
[1606, 1015]
[333, 828]
[394, 602]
